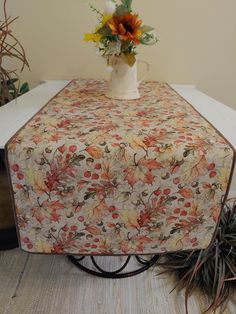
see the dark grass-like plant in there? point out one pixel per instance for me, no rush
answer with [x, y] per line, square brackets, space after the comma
[10, 47]
[212, 270]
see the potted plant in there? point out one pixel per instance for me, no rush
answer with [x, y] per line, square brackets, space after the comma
[10, 88]
[211, 271]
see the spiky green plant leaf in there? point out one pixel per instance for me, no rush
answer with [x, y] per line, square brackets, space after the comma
[212, 270]
[24, 88]
[10, 48]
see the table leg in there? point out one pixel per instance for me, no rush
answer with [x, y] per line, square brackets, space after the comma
[100, 272]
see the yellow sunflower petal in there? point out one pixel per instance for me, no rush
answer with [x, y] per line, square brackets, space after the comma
[111, 23]
[137, 33]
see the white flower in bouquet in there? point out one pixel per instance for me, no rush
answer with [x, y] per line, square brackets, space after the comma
[110, 7]
[114, 48]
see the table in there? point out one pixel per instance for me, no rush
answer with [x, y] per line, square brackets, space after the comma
[16, 113]
[186, 91]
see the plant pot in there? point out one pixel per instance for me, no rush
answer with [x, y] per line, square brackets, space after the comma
[8, 237]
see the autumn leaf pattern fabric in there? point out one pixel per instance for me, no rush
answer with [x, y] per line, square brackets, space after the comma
[97, 176]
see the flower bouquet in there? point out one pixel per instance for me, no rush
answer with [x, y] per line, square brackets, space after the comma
[117, 36]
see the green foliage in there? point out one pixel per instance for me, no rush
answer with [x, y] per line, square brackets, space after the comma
[24, 88]
[11, 90]
[127, 4]
[124, 8]
[146, 28]
[10, 47]
[148, 39]
[95, 10]
[121, 10]
[105, 31]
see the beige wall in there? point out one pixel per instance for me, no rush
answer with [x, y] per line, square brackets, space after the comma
[198, 41]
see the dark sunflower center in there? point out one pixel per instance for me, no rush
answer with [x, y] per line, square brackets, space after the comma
[128, 28]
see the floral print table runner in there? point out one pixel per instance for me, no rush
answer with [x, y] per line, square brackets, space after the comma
[95, 176]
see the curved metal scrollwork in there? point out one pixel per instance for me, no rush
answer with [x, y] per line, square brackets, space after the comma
[100, 272]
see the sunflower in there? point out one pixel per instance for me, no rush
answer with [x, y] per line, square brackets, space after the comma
[127, 27]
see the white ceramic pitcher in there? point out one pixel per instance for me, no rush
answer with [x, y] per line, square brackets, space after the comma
[124, 81]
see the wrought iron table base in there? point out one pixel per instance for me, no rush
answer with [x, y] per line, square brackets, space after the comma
[146, 264]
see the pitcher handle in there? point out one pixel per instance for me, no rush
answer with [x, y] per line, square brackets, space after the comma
[147, 70]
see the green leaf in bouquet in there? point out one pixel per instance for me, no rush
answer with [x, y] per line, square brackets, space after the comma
[127, 4]
[129, 58]
[146, 28]
[125, 44]
[105, 31]
[148, 39]
[24, 88]
[114, 38]
[121, 10]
